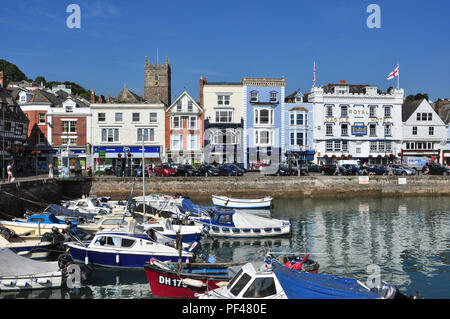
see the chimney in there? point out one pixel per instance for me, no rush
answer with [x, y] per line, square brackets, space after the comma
[100, 99]
[202, 83]
[92, 96]
[342, 82]
[2, 79]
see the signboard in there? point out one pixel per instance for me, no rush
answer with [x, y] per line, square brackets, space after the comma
[359, 130]
[113, 152]
[101, 154]
[402, 181]
[364, 180]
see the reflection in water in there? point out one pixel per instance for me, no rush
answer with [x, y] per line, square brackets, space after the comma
[408, 238]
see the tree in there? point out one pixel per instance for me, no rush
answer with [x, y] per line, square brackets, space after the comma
[418, 96]
[12, 72]
[40, 79]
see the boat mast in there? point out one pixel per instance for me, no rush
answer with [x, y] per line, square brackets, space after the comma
[143, 175]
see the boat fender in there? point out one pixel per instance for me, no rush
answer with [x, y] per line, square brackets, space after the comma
[23, 253]
[193, 282]
[86, 260]
[117, 259]
[221, 284]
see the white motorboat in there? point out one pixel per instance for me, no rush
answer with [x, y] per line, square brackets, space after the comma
[89, 205]
[26, 246]
[159, 203]
[21, 273]
[239, 203]
[190, 233]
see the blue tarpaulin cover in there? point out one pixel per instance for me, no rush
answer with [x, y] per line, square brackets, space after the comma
[194, 208]
[62, 211]
[302, 285]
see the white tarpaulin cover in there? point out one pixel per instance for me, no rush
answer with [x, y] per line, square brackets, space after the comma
[244, 220]
[12, 264]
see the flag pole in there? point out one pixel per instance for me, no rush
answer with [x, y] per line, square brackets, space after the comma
[398, 77]
[314, 78]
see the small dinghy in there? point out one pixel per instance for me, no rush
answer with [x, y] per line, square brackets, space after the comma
[21, 273]
[27, 246]
[36, 225]
[239, 203]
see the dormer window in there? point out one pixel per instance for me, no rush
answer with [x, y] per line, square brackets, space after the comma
[299, 99]
[254, 97]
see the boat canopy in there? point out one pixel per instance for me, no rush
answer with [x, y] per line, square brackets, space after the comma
[12, 264]
[59, 210]
[303, 285]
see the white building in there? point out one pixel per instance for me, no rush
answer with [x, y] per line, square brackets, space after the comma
[424, 132]
[356, 121]
[119, 129]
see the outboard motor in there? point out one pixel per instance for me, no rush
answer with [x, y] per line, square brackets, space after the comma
[64, 262]
[7, 233]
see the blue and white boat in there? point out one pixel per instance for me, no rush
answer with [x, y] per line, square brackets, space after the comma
[229, 223]
[124, 249]
[189, 233]
[36, 225]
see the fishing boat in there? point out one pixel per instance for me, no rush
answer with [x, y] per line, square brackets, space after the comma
[281, 282]
[36, 225]
[21, 273]
[125, 249]
[171, 280]
[239, 203]
[226, 223]
[27, 246]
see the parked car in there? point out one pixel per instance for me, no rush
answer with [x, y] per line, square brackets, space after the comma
[293, 165]
[313, 167]
[229, 170]
[282, 170]
[437, 169]
[187, 170]
[165, 170]
[208, 170]
[351, 169]
[403, 170]
[377, 170]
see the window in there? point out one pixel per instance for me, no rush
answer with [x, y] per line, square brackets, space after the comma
[431, 130]
[127, 243]
[69, 126]
[344, 146]
[329, 129]
[373, 129]
[179, 106]
[224, 116]
[344, 129]
[430, 116]
[240, 284]
[387, 130]
[260, 288]
[118, 117]
[329, 110]
[42, 139]
[387, 111]
[292, 138]
[292, 117]
[262, 137]
[273, 97]
[414, 130]
[424, 116]
[175, 142]
[147, 133]
[344, 111]
[223, 100]
[101, 117]
[70, 141]
[193, 142]
[69, 108]
[337, 146]
[175, 122]
[418, 117]
[153, 117]
[254, 96]
[110, 135]
[263, 116]
[388, 146]
[373, 111]
[193, 122]
[190, 106]
[381, 147]
[299, 119]
[136, 117]
[373, 147]
[41, 118]
[329, 147]
[300, 139]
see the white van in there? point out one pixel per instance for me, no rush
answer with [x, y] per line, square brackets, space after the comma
[351, 162]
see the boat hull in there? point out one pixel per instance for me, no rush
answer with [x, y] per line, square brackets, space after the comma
[119, 259]
[33, 252]
[32, 282]
[31, 228]
[226, 202]
[234, 232]
[169, 284]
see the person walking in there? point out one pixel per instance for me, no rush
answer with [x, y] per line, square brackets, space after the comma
[390, 170]
[364, 171]
[50, 170]
[11, 178]
[336, 171]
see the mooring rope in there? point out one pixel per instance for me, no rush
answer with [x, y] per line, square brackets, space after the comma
[25, 199]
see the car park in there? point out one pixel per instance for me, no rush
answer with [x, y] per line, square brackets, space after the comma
[377, 170]
[281, 170]
[351, 169]
[313, 167]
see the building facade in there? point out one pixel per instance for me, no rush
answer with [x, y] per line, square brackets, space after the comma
[358, 122]
[424, 132]
[120, 129]
[264, 121]
[222, 103]
[184, 130]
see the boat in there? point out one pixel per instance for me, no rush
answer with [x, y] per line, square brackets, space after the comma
[189, 233]
[27, 246]
[239, 203]
[107, 222]
[226, 223]
[125, 249]
[281, 282]
[172, 280]
[89, 205]
[21, 273]
[161, 204]
[36, 225]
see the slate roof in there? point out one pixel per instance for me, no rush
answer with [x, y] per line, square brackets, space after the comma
[41, 96]
[13, 110]
[409, 107]
[127, 97]
[353, 88]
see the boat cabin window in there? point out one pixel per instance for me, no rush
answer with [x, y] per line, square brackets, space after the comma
[224, 219]
[114, 222]
[95, 202]
[109, 241]
[233, 280]
[260, 288]
[82, 204]
[37, 220]
[241, 283]
[127, 243]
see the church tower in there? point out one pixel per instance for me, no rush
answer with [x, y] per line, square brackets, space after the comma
[157, 87]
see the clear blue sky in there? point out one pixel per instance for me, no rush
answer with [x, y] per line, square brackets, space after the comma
[226, 40]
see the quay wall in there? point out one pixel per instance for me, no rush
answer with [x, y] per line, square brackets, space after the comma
[280, 187]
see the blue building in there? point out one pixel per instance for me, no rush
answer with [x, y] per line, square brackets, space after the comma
[298, 128]
[263, 109]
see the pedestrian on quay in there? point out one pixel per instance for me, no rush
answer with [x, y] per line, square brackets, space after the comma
[390, 170]
[11, 178]
[50, 171]
[364, 171]
[336, 171]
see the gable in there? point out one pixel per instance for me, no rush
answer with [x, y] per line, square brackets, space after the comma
[184, 98]
[424, 108]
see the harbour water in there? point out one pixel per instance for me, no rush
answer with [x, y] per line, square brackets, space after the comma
[405, 240]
